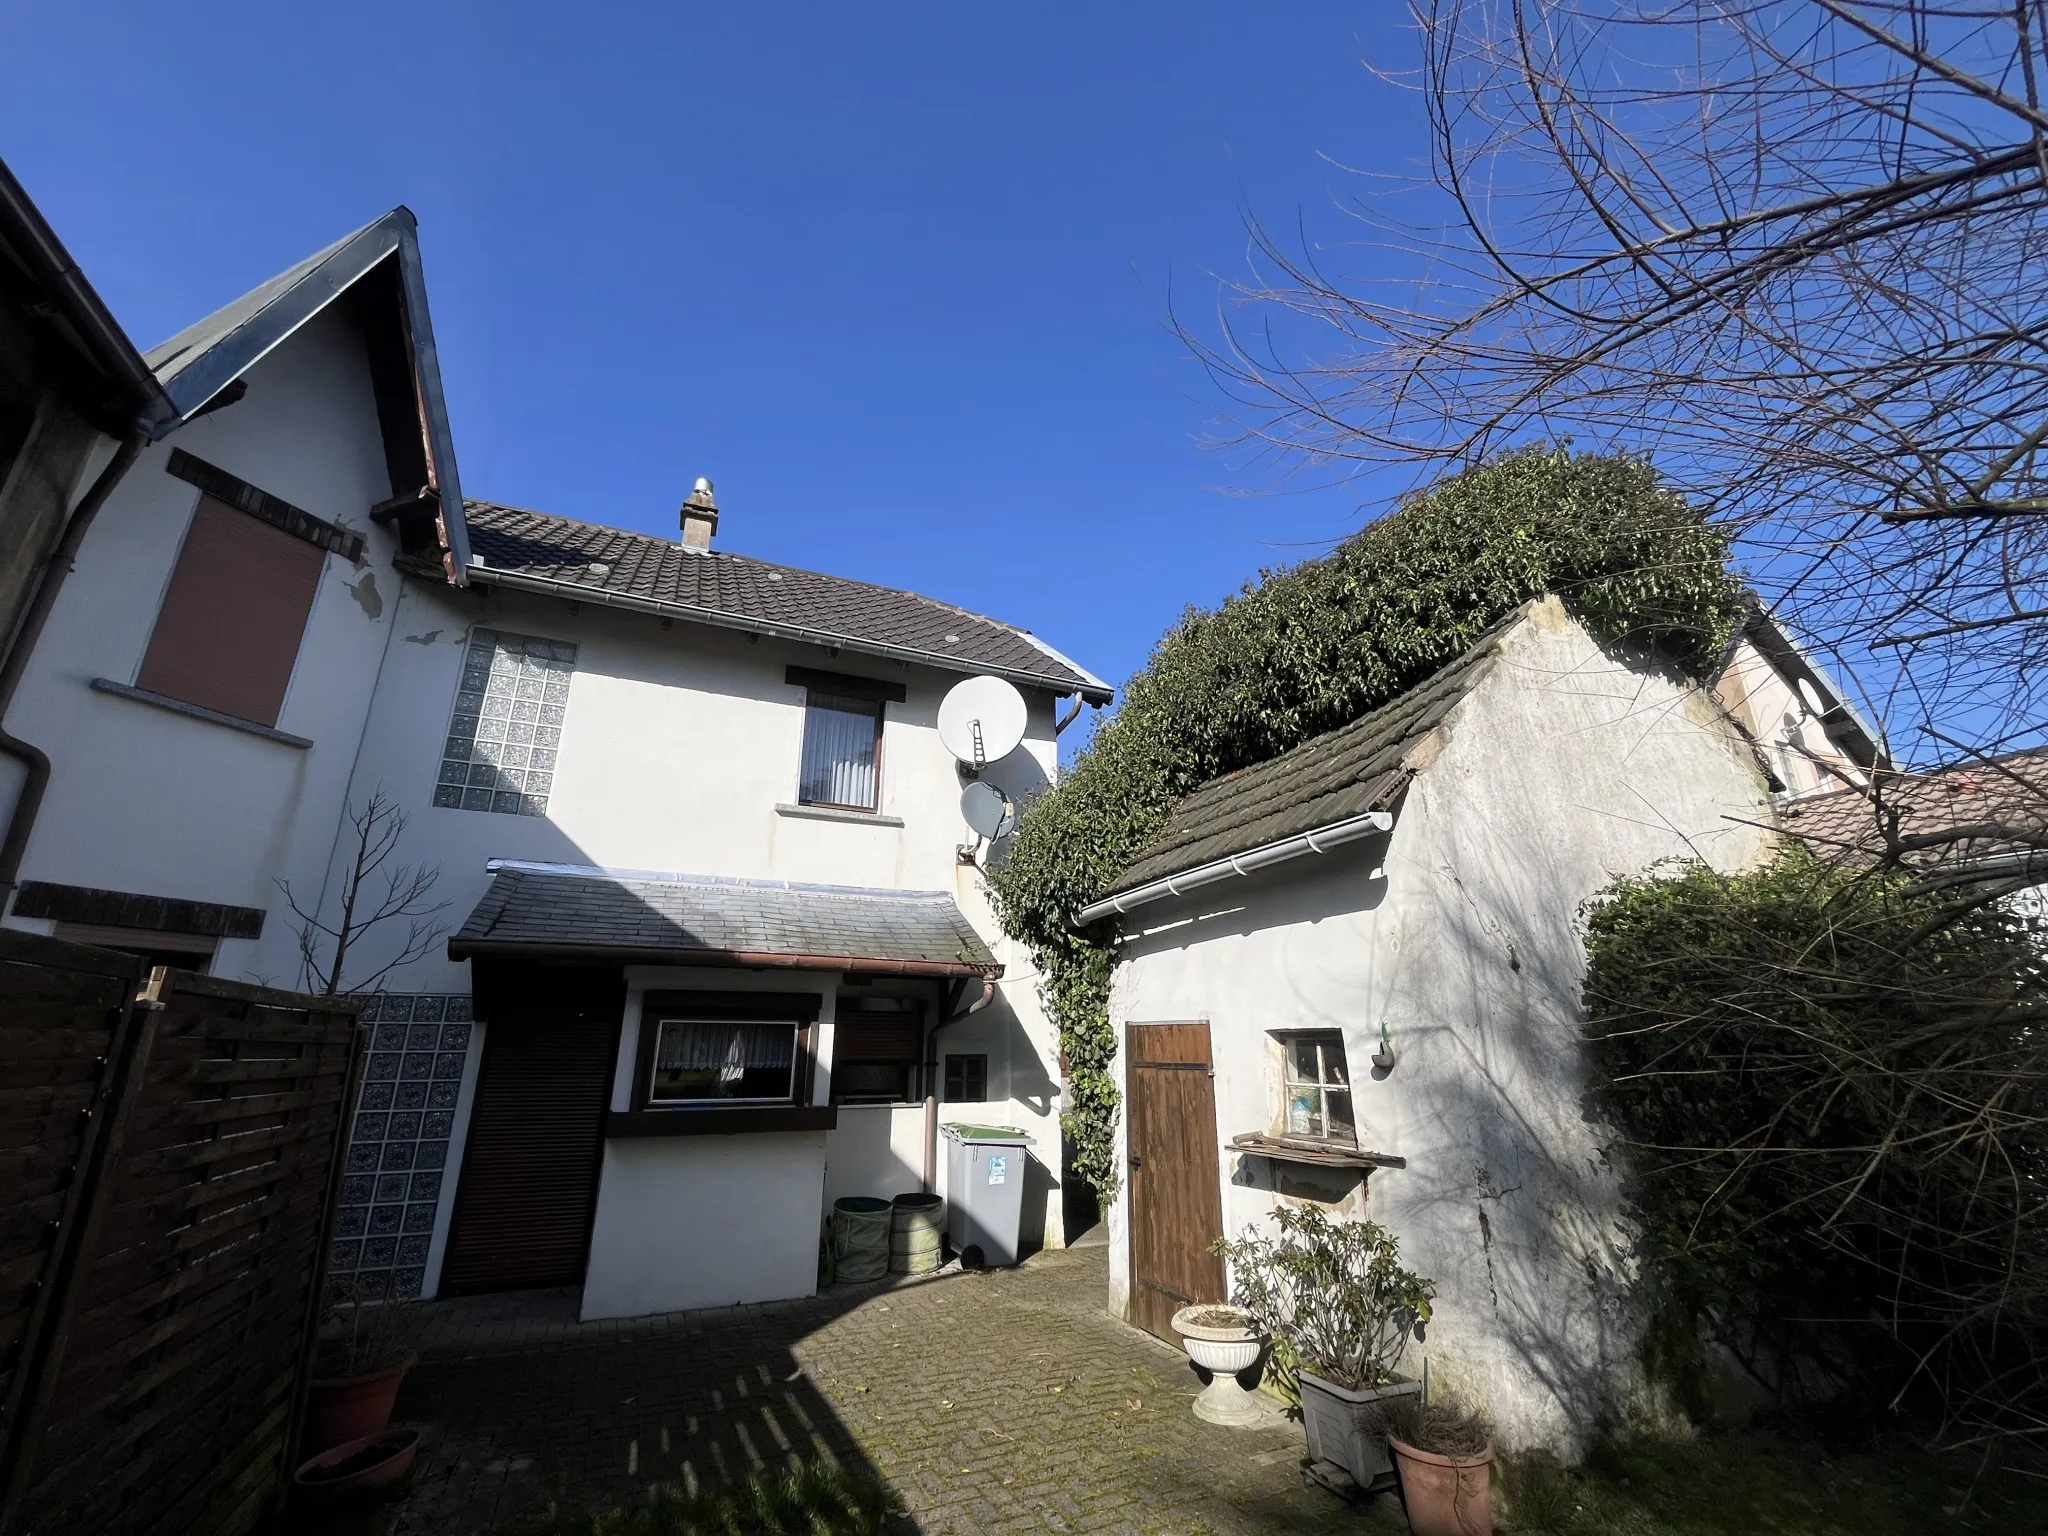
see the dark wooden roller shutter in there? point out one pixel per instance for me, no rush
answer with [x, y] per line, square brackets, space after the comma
[227, 636]
[1176, 1191]
[884, 1037]
[536, 1131]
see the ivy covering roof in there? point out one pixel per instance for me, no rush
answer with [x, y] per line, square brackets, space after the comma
[1331, 778]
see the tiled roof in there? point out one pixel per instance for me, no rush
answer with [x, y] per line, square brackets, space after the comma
[1343, 773]
[1999, 807]
[746, 593]
[652, 918]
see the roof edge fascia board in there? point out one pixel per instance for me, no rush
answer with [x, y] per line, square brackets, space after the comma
[23, 225]
[276, 322]
[1315, 840]
[419, 324]
[484, 575]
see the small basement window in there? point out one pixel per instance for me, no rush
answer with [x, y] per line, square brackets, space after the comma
[721, 1061]
[1317, 1088]
[967, 1079]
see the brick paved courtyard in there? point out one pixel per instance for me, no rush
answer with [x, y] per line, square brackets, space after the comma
[998, 1402]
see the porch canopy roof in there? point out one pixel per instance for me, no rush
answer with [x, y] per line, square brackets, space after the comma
[640, 917]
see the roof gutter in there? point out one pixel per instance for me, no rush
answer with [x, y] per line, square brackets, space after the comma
[460, 948]
[484, 575]
[1320, 840]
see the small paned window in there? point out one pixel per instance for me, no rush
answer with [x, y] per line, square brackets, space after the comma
[717, 1061]
[506, 730]
[966, 1079]
[842, 752]
[877, 1051]
[1318, 1088]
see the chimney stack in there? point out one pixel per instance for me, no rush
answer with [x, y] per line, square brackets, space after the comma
[700, 516]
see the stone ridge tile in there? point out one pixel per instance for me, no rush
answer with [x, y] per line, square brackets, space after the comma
[561, 549]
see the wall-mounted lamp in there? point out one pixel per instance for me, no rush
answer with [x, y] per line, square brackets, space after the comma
[1383, 1058]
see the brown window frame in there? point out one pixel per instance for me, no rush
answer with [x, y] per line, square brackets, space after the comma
[843, 689]
[800, 1009]
[849, 1021]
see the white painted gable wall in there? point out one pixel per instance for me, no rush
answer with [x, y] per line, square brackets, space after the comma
[1562, 770]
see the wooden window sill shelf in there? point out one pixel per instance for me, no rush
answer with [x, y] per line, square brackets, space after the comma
[1290, 1149]
[747, 1120]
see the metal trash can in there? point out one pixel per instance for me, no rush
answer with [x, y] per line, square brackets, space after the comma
[984, 1193]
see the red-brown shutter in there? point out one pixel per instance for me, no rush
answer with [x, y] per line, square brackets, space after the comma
[896, 1037]
[227, 636]
[536, 1131]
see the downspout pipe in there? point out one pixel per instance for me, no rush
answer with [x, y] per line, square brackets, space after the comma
[931, 1079]
[21, 820]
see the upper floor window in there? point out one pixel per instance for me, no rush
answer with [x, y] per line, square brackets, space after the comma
[842, 752]
[506, 728]
[227, 635]
[1317, 1087]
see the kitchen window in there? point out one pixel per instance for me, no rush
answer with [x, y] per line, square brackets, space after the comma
[1317, 1088]
[724, 1061]
[966, 1079]
[724, 1050]
[841, 765]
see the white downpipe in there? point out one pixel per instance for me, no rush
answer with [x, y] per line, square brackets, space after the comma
[1317, 840]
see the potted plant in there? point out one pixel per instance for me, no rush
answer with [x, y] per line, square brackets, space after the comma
[1225, 1342]
[1444, 1455]
[363, 1353]
[1334, 1294]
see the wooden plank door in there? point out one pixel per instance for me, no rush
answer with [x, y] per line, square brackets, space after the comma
[536, 1131]
[1176, 1200]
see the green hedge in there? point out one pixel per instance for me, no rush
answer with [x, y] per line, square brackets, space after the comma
[1307, 648]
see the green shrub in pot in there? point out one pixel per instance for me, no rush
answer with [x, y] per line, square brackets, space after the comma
[1341, 1308]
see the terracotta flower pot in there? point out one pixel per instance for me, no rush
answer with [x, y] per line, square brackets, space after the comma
[358, 1466]
[344, 1408]
[1446, 1495]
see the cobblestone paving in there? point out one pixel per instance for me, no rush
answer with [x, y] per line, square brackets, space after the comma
[999, 1402]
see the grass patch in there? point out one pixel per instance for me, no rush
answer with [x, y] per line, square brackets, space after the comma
[815, 1499]
[1752, 1482]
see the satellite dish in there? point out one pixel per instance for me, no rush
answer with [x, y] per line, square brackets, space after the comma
[981, 721]
[1810, 695]
[986, 810]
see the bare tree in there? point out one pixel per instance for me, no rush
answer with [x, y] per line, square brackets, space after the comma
[376, 893]
[1792, 250]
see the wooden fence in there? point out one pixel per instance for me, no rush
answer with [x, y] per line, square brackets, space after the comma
[170, 1146]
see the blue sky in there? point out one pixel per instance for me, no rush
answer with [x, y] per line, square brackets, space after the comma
[891, 275]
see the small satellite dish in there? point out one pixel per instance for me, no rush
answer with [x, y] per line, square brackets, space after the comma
[981, 721]
[986, 810]
[1810, 695]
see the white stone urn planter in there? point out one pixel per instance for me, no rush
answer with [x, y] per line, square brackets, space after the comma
[1222, 1341]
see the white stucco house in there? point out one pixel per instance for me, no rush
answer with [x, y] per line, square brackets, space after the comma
[1350, 976]
[714, 956]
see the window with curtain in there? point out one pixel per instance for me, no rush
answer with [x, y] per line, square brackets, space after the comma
[716, 1061]
[842, 752]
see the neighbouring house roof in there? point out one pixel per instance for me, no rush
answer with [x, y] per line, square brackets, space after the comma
[380, 265]
[573, 912]
[1333, 778]
[80, 344]
[1965, 815]
[1844, 724]
[540, 552]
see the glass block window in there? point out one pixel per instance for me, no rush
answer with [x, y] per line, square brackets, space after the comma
[398, 1155]
[507, 724]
